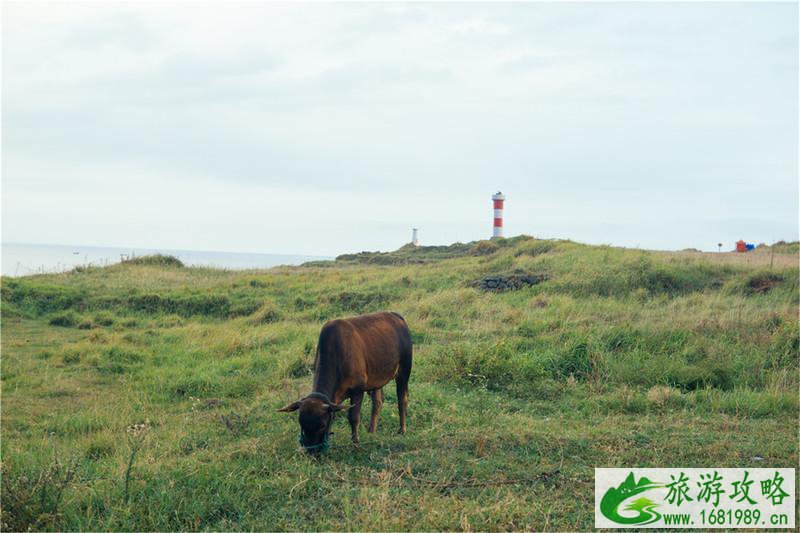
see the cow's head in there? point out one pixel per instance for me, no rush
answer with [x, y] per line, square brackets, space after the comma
[316, 415]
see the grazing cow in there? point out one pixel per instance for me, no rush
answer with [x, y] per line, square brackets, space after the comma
[354, 356]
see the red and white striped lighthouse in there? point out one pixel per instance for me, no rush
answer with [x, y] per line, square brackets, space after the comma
[498, 199]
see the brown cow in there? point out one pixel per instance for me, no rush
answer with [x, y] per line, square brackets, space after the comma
[354, 356]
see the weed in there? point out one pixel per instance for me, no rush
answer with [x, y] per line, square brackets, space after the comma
[31, 499]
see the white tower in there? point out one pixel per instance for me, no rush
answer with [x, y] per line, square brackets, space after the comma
[415, 237]
[497, 200]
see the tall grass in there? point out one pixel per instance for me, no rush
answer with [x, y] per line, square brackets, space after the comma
[619, 357]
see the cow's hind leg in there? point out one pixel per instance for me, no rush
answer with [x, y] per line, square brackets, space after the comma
[401, 381]
[354, 413]
[377, 403]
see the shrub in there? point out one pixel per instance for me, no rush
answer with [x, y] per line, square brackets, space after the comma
[243, 308]
[485, 248]
[624, 276]
[32, 498]
[535, 248]
[71, 357]
[9, 310]
[158, 260]
[760, 282]
[301, 303]
[206, 305]
[359, 302]
[763, 282]
[104, 319]
[783, 247]
[64, 320]
[40, 298]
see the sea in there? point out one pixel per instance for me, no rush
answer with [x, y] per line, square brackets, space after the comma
[21, 259]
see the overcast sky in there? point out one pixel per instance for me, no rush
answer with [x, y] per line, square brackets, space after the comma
[322, 129]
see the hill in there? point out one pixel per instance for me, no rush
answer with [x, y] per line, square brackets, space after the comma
[142, 395]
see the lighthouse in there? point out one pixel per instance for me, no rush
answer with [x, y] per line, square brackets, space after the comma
[497, 200]
[415, 236]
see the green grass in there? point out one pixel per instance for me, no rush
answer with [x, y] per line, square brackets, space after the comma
[142, 396]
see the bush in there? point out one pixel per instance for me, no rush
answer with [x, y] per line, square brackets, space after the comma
[244, 308]
[760, 282]
[612, 277]
[358, 302]
[763, 282]
[71, 357]
[157, 260]
[9, 310]
[40, 298]
[485, 248]
[64, 320]
[32, 498]
[535, 248]
[104, 319]
[185, 306]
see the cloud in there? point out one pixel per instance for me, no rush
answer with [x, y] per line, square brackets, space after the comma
[592, 118]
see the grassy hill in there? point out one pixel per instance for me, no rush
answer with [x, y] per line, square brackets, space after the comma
[142, 396]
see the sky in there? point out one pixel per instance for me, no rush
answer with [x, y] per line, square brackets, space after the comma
[329, 128]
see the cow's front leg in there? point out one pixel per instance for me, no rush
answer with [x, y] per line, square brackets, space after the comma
[377, 402]
[354, 413]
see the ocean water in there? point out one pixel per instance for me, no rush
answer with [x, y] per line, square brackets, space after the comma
[21, 259]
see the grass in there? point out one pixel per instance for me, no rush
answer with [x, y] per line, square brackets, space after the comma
[142, 396]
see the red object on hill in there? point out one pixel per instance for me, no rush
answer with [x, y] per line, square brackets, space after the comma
[741, 246]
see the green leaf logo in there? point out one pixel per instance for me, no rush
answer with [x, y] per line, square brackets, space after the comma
[615, 497]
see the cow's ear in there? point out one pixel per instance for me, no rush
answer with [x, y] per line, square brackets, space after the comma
[291, 407]
[333, 408]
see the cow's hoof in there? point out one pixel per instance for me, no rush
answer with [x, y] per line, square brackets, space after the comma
[401, 431]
